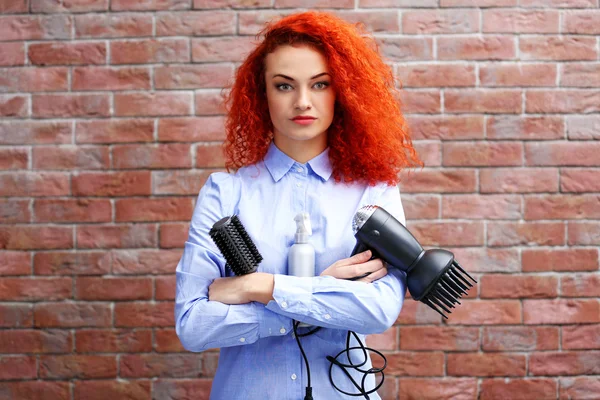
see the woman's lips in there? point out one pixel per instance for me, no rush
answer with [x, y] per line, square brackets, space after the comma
[304, 121]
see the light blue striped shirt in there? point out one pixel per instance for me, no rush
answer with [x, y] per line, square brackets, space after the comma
[259, 357]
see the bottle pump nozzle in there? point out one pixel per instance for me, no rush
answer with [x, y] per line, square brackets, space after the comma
[303, 228]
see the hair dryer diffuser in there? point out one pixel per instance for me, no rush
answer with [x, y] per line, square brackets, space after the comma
[235, 244]
[434, 277]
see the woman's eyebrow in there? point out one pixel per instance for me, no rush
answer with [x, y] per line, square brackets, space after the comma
[291, 79]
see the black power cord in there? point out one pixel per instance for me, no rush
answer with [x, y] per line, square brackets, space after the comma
[334, 361]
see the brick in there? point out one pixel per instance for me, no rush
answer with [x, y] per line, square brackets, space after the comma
[136, 262]
[153, 104]
[447, 127]
[394, 3]
[54, 6]
[65, 53]
[585, 22]
[70, 105]
[35, 27]
[565, 363]
[179, 182]
[72, 263]
[523, 75]
[518, 389]
[417, 313]
[13, 106]
[518, 180]
[583, 233]
[72, 210]
[487, 312]
[536, 260]
[396, 49]
[561, 311]
[112, 184]
[579, 387]
[15, 263]
[422, 102]
[169, 155]
[231, 49]
[387, 340]
[145, 51]
[481, 207]
[113, 341]
[520, 338]
[70, 157]
[32, 289]
[192, 388]
[583, 127]
[562, 207]
[160, 209]
[436, 75]
[107, 78]
[559, 48]
[12, 53]
[34, 184]
[191, 129]
[558, 3]
[114, 389]
[16, 315]
[520, 21]
[487, 47]
[35, 132]
[78, 366]
[314, 4]
[582, 337]
[429, 152]
[478, 3]
[111, 289]
[216, 23]
[160, 365]
[14, 158]
[440, 21]
[113, 25]
[173, 235]
[525, 233]
[515, 287]
[116, 236]
[72, 315]
[165, 288]
[14, 6]
[252, 22]
[439, 338]
[580, 75]
[493, 101]
[166, 341]
[580, 180]
[14, 211]
[210, 155]
[192, 76]
[18, 367]
[126, 5]
[50, 79]
[448, 233]
[35, 341]
[562, 153]
[415, 363]
[373, 20]
[209, 103]
[36, 390]
[35, 237]
[114, 131]
[482, 154]
[435, 389]
[440, 181]
[488, 260]
[421, 206]
[580, 285]
[525, 127]
[144, 314]
[473, 364]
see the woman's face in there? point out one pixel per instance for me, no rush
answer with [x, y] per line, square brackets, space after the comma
[298, 84]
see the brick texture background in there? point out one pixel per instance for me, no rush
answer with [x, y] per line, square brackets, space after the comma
[111, 122]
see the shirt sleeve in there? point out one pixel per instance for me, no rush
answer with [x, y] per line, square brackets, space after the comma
[361, 307]
[202, 324]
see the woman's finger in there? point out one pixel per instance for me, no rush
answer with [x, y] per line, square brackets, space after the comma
[355, 259]
[380, 273]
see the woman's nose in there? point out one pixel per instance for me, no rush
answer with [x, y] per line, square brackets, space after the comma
[303, 101]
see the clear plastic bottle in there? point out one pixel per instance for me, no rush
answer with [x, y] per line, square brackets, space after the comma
[301, 257]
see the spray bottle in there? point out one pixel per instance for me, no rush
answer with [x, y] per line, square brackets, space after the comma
[301, 258]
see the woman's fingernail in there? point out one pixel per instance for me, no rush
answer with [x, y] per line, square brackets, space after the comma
[368, 253]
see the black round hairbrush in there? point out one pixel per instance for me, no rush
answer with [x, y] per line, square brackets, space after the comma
[235, 244]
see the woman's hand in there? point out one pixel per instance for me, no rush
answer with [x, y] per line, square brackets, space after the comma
[257, 286]
[357, 265]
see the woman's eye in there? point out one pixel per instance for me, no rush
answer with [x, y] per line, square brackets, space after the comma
[283, 86]
[321, 85]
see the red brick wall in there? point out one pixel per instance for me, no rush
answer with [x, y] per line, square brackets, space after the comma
[110, 123]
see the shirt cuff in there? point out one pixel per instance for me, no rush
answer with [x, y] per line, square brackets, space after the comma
[270, 323]
[291, 294]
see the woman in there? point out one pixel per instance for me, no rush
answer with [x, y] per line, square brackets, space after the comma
[313, 126]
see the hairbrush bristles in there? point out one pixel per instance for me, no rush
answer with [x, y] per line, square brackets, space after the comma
[235, 244]
[450, 287]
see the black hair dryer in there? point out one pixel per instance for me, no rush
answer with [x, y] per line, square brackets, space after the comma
[433, 276]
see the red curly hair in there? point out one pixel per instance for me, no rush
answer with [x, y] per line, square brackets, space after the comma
[368, 138]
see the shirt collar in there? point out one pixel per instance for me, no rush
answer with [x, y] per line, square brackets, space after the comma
[278, 163]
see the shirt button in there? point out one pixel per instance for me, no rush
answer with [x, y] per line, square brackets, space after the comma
[299, 169]
[282, 330]
[293, 377]
[327, 316]
[242, 339]
[299, 185]
[283, 304]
